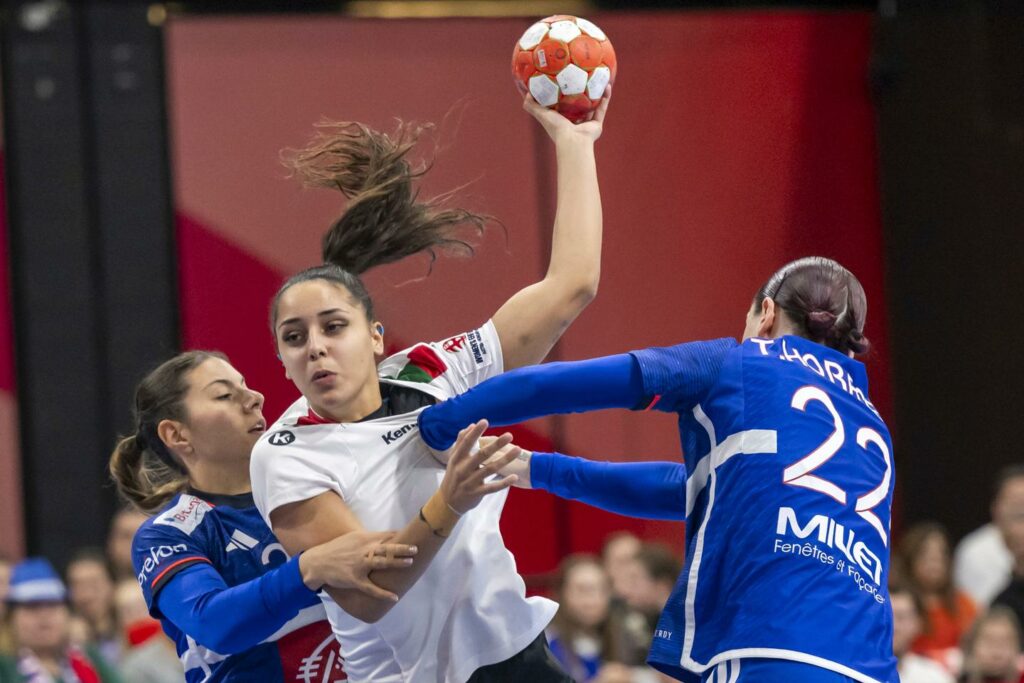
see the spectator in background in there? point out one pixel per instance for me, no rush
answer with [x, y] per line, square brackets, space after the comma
[586, 636]
[925, 567]
[652, 577]
[123, 526]
[1012, 596]
[908, 620]
[617, 555]
[992, 648]
[150, 656]
[650, 580]
[5, 582]
[983, 562]
[580, 635]
[39, 619]
[91, 587]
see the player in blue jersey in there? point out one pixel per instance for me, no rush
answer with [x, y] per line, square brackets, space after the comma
[786, 488]
[236, 606]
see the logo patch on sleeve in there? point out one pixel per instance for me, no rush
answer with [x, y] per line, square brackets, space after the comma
[424, 366]
[471, 342]
[186, 514]
[281, 438]
[478, 348]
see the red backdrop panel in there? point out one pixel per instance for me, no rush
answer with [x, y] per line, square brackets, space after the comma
[736, 141]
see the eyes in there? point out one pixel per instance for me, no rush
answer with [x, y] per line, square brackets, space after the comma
[297, 337]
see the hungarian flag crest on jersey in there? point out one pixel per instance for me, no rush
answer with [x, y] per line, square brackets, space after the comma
[424, 366]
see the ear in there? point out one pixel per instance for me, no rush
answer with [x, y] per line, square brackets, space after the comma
[767, 320]
[176, 437]
[377, 335]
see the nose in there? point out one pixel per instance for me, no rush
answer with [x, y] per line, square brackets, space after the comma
[315, 345]
[255, 401]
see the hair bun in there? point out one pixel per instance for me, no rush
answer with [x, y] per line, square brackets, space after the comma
[820, 323]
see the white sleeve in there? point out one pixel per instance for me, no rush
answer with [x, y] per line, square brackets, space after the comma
[284, 473]
[471, 357]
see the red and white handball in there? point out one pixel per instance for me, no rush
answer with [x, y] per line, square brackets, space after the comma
[566, 63]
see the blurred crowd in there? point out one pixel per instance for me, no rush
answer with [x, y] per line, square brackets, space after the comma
[90, 625]
[957, 611]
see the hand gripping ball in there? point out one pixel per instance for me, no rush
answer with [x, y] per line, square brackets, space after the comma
[565, 63]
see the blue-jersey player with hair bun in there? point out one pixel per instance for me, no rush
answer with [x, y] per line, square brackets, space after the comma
[786, 488]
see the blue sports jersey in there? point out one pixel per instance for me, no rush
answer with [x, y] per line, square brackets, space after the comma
[788, 493]
[211, 563]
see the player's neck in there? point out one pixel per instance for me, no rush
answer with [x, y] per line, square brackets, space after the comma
[365, 403]
[225, 481]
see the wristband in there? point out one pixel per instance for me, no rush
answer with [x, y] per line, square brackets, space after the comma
[439, 516]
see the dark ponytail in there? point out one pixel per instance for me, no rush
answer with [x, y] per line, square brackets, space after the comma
[383, 221]
[145, 471]
[823, 299]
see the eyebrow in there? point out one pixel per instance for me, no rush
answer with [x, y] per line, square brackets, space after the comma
[223, 381]
[330, 311]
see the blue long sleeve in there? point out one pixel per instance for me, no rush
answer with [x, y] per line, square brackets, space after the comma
[525, 393]
[232, 620]
[652, 490]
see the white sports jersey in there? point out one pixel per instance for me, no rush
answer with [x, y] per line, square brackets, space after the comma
[469, 608]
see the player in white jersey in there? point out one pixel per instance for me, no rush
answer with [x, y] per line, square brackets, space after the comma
[347, 455]
[209, 567]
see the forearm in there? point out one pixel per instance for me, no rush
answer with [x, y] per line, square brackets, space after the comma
[651, 490]
[369, 609]
[576, 238]
[230, 620]
[534, 391]
[533, 319]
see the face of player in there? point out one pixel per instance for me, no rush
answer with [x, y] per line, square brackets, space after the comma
[1008, 515]
[328, 348]
[41, 627]
[906, 623]
[91, 590]
[586, 595]
[225, 418]
[996, 649]
[931, 566]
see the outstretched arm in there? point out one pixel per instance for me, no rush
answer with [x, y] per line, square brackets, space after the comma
[651, 490]
[534, 318]
[552, 388]
[671, 379]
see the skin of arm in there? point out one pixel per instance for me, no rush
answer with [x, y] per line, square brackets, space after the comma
[325, 517]
[533, 319]
[310, 522]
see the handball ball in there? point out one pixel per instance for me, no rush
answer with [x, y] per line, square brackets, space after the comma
[566, 63]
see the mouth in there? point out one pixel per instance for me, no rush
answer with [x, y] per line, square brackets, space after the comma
[321, 376]
[259, 427]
